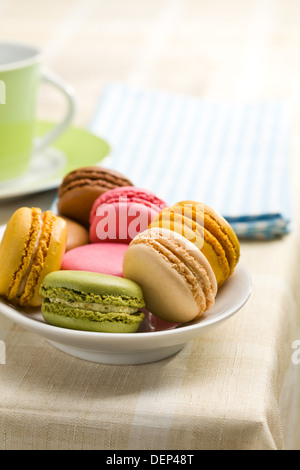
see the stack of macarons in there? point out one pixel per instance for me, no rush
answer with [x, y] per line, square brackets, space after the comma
[113, 251]
[182, 259]
[208, 230]
[65, 265]
[81, 187]
[115, 217]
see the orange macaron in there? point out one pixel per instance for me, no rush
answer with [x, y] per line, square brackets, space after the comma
[208, 230]
[32, 246]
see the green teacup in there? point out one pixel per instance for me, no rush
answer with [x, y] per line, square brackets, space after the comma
[20, 75]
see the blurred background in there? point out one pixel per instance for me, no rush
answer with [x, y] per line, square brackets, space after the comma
[220, 49]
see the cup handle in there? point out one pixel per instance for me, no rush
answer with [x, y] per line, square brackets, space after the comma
[48, 76]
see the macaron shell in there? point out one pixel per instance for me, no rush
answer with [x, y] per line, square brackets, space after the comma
[193, 253]
[52, 249]
[93, 175]
[198, 235]
[166, 293]
[225, 234]
[93, 283]
[80, 188]
[187, 260]
[27, 261]
[122, 213]
[129, 194]
[76, 203]
[120, 222]
[212, 248]
[105, 258]
[13, 248]
[216, 228]
[30, 249]
[108, 326]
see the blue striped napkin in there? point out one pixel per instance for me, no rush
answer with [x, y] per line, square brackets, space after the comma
[233, 157]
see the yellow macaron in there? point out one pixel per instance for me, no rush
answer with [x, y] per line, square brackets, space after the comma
[208, 230]
[32, 246]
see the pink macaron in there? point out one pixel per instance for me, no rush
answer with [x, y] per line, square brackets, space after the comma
[105, 258]
[122, 213]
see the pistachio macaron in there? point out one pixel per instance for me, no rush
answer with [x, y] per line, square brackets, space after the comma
[91, 301]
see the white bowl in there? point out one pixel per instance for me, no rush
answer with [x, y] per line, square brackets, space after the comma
[155, 339]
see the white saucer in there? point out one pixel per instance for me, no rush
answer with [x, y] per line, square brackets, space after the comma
[154, 341]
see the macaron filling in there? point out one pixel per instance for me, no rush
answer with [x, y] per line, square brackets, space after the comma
[95, 307]
[35, 253]
[92, 177]
[24, 279]
[92, 315]
[221, 230]
[18, 282]
[38, 257]
[95, 302]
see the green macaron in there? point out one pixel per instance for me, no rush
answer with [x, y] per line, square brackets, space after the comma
[90, 301]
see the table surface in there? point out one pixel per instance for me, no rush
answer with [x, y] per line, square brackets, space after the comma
[236, 387]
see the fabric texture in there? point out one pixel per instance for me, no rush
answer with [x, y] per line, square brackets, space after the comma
[224, 390]
[234, 157]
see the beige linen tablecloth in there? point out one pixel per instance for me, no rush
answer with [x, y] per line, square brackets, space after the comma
[236, 387]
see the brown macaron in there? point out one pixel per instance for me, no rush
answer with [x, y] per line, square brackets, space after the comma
[81, 187]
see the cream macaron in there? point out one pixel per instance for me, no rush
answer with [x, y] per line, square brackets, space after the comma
[177, 281]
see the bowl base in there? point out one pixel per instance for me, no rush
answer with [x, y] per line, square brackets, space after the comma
[120, 357]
